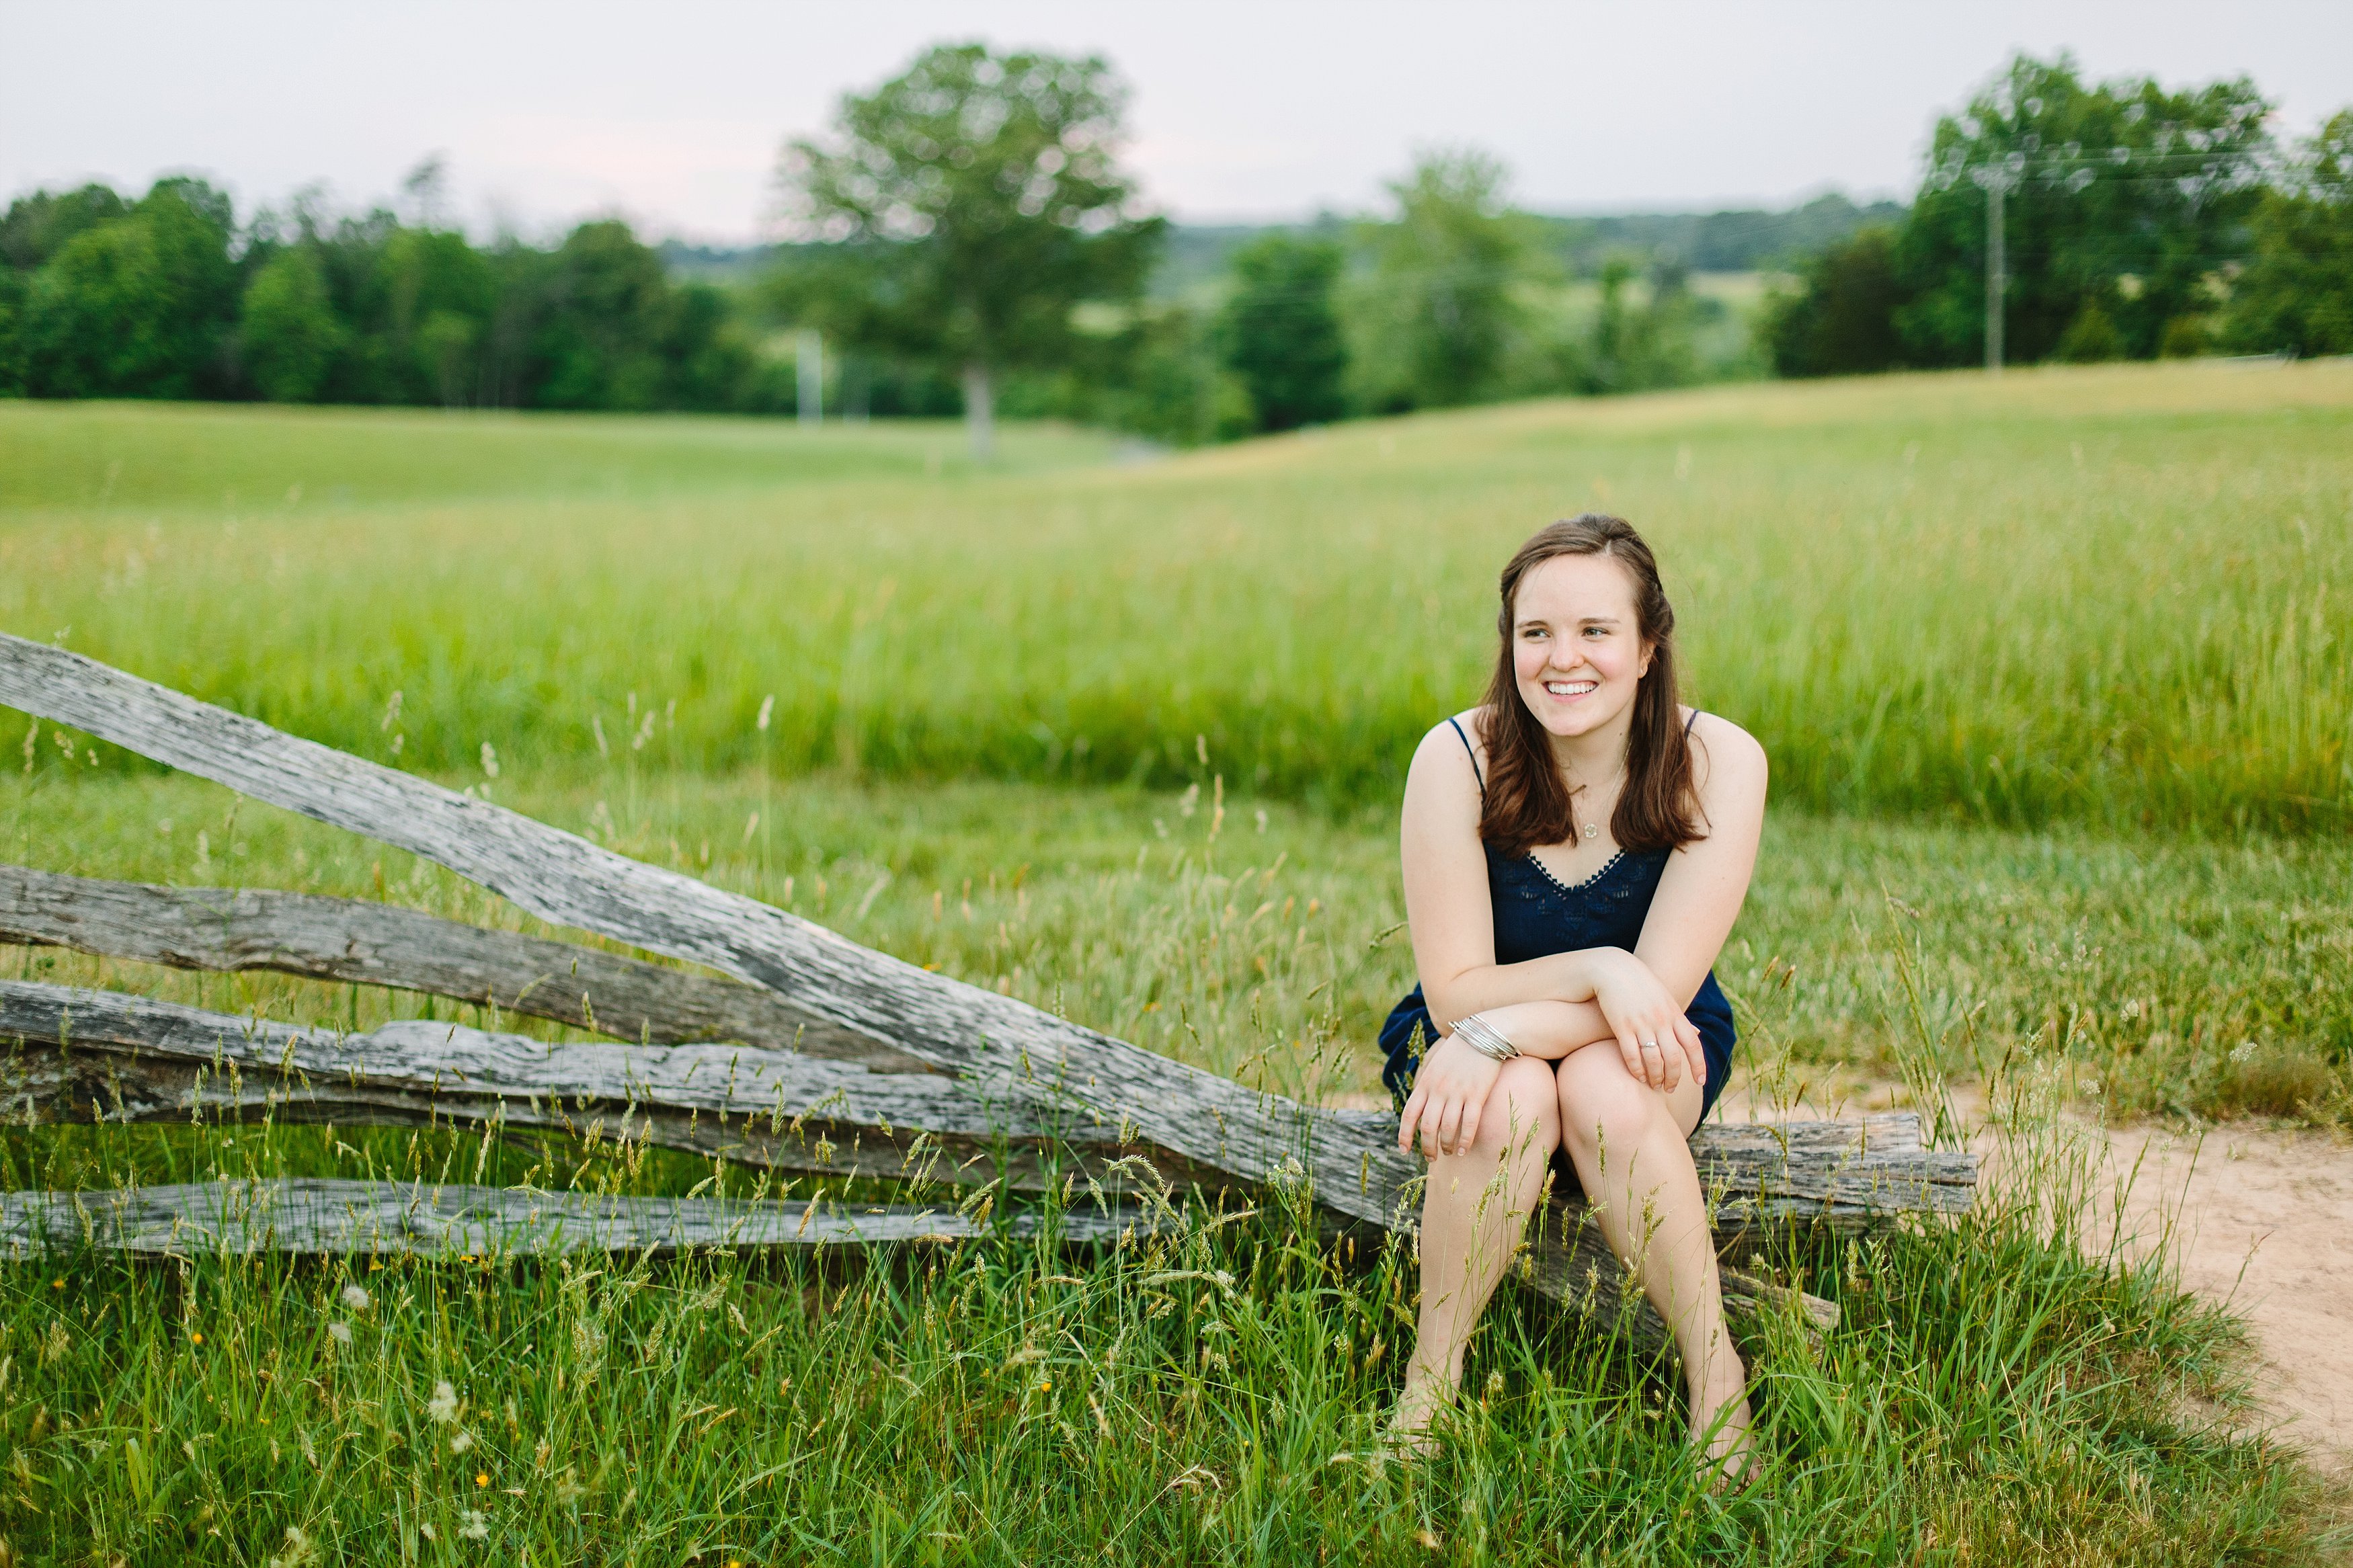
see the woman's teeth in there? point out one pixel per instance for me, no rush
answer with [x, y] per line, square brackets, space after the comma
[1570, 687]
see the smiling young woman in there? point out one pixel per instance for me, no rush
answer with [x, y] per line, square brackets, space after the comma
[1576, 850]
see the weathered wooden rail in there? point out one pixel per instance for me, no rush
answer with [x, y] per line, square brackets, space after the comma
[295, 1215]
[1003, 1073]
[88, 1055]
[349, 940]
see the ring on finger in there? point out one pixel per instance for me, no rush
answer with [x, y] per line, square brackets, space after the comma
[1650, 1044]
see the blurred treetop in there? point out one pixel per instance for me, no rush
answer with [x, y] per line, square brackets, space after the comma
[963, 208]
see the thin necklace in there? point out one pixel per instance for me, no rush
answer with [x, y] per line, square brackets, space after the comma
[1592, 829]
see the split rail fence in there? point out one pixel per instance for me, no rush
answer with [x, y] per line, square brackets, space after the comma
[817, 1056]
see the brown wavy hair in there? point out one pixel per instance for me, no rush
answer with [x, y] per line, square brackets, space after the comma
[1528, 801]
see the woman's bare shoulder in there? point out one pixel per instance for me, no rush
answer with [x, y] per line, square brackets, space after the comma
[1724, 755]
[1465, 734]
[1456, 762]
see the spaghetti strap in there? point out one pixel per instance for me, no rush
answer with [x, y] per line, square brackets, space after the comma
[1689, 723]
[1473, 755]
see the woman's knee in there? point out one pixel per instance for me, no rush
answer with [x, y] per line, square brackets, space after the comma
[1601, 1105]
[1522, 1107]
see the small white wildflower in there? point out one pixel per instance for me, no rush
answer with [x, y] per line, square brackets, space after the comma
[356, 1298]
[477, 1526]
[427, 1530]
[461, 1442]
[489, 761]
[340, 1332]
[443, 1405]
[2244, 1051]
[767, 711]
[300, 1550]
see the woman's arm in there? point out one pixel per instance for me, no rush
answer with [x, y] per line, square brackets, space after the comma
[1706, 880]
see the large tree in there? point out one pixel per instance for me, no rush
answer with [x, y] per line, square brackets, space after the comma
[965, 209]
[2121, 198]
[2296, 295]
[1281, 330]
[289, 334]
[136, 305]
[1438, 315]
[1841, 319]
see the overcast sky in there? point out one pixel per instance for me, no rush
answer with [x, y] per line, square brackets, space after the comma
[671, 114]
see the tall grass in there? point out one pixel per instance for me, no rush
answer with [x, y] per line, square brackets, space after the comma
[2017, 1385]
[2113, 597]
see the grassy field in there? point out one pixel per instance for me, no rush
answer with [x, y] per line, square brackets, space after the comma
[2052, 676]
[2002, 1387]
[2111, 596]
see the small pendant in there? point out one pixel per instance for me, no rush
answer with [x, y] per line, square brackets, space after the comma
[1593, 830]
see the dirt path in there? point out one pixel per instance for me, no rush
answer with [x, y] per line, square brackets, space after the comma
[2264, 1221]
[2261, 1219]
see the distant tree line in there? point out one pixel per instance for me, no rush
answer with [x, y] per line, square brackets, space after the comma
[966, 225]
[2135, 222]
[167, 296]
[967, 240]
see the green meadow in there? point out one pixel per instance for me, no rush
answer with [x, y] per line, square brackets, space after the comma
[2052, 672]
[2115, 596]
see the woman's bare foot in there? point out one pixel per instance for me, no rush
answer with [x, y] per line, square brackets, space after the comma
[1729, 1460]
[1418, 1403]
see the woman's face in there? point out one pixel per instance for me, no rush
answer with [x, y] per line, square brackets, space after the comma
[1576, 646]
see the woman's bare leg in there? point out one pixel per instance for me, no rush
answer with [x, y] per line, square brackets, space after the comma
[1630, 1145]
[1472, 1213]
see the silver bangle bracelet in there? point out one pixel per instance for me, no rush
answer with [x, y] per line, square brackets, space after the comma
[1485, 1038]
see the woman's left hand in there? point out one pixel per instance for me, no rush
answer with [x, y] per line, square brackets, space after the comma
[1449, 1098]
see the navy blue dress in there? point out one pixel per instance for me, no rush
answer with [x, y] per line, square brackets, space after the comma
[1538, 915]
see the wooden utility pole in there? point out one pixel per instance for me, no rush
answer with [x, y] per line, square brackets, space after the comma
[808, 361]
[1997, 180]
[1995, 280]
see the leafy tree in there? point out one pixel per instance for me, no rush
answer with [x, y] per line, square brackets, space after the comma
[1438, 308]
[2124, 193]
[1840, 318]
[38, 225]
[2090, 337]
[289, 334]
[605, 294]
[713, 361]
[1159, 372]
[615, 333]
[138, 306]
[12, 352]
[1635, 347]
[1281, 330]
[2296, 295]
[968, 205]
[435, 296]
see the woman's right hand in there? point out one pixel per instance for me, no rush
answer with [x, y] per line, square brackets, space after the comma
[1655, 1039]
[1449, 1099]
